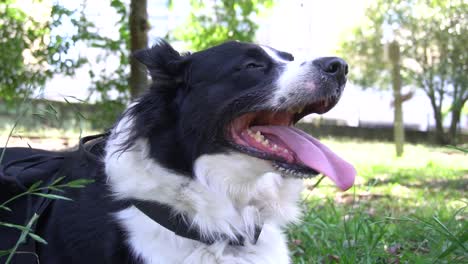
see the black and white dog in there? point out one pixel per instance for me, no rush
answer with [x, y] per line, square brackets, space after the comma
[205, 167]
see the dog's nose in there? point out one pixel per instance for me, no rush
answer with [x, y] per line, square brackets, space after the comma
[333, 66]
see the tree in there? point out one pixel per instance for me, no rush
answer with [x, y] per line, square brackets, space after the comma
[138, 21]
[439, 38]
[398, 124]
[213, 22]
[432, 36]
[34, 51]
[31, 52]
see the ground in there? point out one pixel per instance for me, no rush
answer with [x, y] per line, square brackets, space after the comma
[401, 210]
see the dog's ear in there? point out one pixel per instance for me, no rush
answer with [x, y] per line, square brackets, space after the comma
[163, 61]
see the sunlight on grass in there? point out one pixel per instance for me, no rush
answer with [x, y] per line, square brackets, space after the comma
[410, 209]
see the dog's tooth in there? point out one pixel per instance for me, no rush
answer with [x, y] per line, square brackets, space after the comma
[259, 137]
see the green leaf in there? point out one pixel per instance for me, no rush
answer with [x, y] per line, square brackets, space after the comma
[20, 227]
[4, 252]
[37, 238]
[22, 237]
[57, 180]
[34, 186]
[53, 188]
[78, 183]
[5, 208]
[53, 196]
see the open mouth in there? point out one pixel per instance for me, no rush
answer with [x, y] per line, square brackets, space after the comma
[270, 135]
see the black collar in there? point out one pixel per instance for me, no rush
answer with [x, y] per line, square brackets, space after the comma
[162, 214]
[166, 217]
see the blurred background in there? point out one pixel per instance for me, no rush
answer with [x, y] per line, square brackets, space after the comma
[66, 71]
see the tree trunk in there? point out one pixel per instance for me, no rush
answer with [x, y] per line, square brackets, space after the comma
[398, 125]
[456, 112]
[439, 128]
[138, 40]
[440, 133]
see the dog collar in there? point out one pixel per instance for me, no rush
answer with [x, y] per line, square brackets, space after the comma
[166, 217]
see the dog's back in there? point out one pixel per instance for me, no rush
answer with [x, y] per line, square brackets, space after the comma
[78, 231]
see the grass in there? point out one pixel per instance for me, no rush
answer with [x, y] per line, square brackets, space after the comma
[402, 210]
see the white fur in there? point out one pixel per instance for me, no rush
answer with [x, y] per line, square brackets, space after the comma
[294, 83]
[274, 55]
[231, 193]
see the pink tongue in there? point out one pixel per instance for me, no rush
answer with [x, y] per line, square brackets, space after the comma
[313, 154]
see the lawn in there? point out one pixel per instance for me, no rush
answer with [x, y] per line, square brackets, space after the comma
[401, 210]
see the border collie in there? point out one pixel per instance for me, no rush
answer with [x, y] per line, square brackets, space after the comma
[205, 167]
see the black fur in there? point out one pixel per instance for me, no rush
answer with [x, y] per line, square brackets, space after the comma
[78, 231]
[193, 97]
[182, 115]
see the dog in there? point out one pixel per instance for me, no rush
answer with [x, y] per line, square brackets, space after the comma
[205, 167]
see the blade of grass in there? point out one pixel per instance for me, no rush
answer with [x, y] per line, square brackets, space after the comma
[453, 247]
[449, 233]
[22, 238]
[37, 238]
[5, 208]
[52, 196]
[20, 227]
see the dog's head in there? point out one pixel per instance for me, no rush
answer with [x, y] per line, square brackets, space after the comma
[239, 97]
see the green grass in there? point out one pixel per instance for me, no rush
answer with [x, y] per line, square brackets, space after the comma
[401, 210]
[406, 210]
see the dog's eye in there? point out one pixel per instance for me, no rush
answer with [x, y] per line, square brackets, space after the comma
[253, 65]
